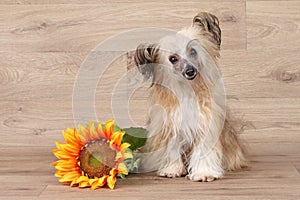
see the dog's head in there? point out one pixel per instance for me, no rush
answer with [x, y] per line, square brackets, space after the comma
[181, 54]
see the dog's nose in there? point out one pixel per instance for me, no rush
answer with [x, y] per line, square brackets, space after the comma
[190, 72]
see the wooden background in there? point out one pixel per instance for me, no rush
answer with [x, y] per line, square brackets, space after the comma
[43, 44]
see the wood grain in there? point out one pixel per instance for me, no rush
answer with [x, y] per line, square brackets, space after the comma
[44, 43]
[273, 177]
[89, 1]
[273, 25]
[51, 28]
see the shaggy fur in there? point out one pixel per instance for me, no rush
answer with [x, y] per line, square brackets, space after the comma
[189, 130]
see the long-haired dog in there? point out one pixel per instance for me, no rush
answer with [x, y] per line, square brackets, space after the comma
[189, 132]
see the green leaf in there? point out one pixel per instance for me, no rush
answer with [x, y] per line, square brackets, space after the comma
[122, 176]
[133, 163]
[135, 136]
[116, 128]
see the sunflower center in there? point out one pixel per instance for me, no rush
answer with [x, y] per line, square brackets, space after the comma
[97, 158]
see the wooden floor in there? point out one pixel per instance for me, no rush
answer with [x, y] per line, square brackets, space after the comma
[43, 43]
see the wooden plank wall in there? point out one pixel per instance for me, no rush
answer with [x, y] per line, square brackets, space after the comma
[43, 43]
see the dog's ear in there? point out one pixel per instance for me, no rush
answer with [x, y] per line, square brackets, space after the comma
[209, 23]
[145, 57]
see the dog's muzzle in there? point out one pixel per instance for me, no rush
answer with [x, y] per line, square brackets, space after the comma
[190, 72]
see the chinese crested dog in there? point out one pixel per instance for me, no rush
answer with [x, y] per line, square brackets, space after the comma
[189, 132]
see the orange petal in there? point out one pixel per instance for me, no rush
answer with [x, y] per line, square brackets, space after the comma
[65, 162]
[93, 131]
[113, 146]
[68, 148]
[109, 126]
[111, 180]
[99, 182]
[100, 130]
[83, 134]
[102, 180]
[93, 180]
[62, 154]
[54, 163]
[82, 179]
[95, 185]
[117, 137]
[73, 183]
[69, 136]
[77, 138]
[61, 149]
[124, 146]
[83, 184]
[67, 168]
[90, 124]
[59, 174]
[72, 148]
[69, 177]
[113, 172]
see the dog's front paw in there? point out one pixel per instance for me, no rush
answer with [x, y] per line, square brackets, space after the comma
[172, 171]
[202, 177]
[205, 176]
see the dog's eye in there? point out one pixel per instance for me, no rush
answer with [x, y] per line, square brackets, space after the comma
[193, 52]
[173, 59]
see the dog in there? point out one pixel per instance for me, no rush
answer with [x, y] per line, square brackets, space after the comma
[188, 126]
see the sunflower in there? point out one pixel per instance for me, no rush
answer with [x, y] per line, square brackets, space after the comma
[92, 156]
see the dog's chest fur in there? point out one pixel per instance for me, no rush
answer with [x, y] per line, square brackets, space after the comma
[187, 119]
[182, 116]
